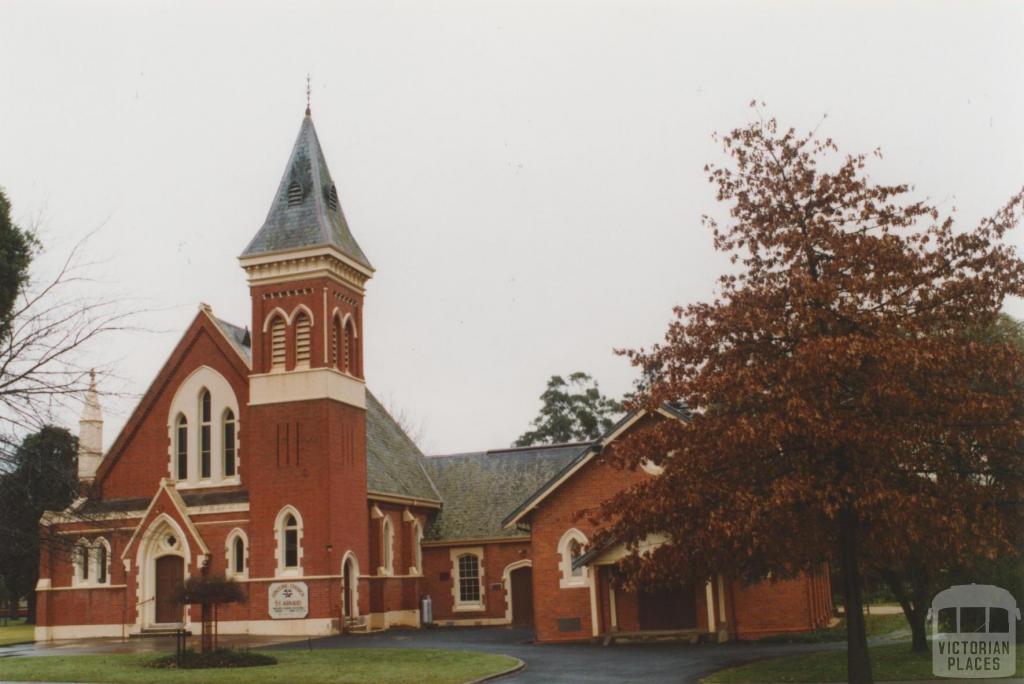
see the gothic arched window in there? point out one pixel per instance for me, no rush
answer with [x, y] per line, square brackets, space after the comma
[228, 443]
[181, 447]
[205, 436]
[302, 335]
[278, 331]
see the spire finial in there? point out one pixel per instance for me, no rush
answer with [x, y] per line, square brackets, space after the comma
[309, 93]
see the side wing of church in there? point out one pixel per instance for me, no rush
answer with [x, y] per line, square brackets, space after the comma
[258, 453]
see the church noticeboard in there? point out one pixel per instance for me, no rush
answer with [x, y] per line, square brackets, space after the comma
[288, 600]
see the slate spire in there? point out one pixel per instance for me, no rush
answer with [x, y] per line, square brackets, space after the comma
[306, 212]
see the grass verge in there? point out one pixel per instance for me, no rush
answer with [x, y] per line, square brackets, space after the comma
[16, 632]
[888, 663]
[876, 626]
[326, 666]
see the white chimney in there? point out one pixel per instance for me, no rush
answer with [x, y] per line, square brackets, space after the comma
[90, 434]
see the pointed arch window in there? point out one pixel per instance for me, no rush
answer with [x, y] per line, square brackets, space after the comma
[289, 542]
[228, 443]
[349, 347]
[388, 547]
[277, 343]
[336, 343]
[417, 548]
[570, 547]
[205, 461]
[237, 554]
[302, 338]
[181, 447]
[102, 558]
[83, 562]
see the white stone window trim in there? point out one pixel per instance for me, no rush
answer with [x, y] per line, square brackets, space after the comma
[387, 547]
[187, 402]
[94, 560]
[417, 548]
[568, 580]
[279, 547]
[82, 571]
[229, 552]
[350, 557]
[458, 604]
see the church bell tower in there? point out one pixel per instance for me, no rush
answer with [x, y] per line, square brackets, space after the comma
[307, 397]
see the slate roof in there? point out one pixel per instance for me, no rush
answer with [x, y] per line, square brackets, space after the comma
[239, 337]
[306, 211]
[122, 505]
[480, 488]
[394, 464]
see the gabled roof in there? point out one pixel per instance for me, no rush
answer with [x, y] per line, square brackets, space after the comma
[581, 459]
[306, 211]
[480, 487]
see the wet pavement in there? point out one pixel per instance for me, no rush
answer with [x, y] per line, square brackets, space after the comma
[163, 644]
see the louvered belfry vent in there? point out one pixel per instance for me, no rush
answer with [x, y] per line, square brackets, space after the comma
[294, 194]
[332, 197]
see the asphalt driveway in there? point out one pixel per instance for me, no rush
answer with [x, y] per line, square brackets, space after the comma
[575, 663]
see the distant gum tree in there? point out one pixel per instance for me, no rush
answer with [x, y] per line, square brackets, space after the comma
[573, 410]
[844, 404]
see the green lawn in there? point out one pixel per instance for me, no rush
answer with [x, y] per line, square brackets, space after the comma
[327, 666]
[891, 662]
[877, 626]
[16, 632]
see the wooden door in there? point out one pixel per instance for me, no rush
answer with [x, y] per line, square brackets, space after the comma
[521, 581]
[346, 590]
[668, 609]
[170, 570]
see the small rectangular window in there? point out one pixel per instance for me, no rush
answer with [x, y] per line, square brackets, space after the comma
[469, 579]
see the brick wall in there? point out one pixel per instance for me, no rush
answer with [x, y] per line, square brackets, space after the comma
[439, 579]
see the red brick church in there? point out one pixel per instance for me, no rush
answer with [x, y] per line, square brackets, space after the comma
[263, 456]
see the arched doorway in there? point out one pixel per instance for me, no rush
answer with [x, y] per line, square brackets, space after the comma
[349, 587]
[170, 571]
[163, 560]
[518, 578]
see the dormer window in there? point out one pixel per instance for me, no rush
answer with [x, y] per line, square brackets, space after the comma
[294, 194]
[332, 197]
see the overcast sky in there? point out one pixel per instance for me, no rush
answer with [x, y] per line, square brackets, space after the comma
[525, 176]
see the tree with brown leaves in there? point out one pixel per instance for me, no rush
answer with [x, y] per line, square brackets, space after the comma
[845, 406]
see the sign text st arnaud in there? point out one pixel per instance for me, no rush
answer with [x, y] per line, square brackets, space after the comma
[288, 600]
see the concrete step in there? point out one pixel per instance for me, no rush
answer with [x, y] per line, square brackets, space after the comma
[158, 632]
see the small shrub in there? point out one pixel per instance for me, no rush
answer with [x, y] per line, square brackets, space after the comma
[222, 657]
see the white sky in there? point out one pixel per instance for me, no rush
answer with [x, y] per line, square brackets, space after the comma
[525, 176]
